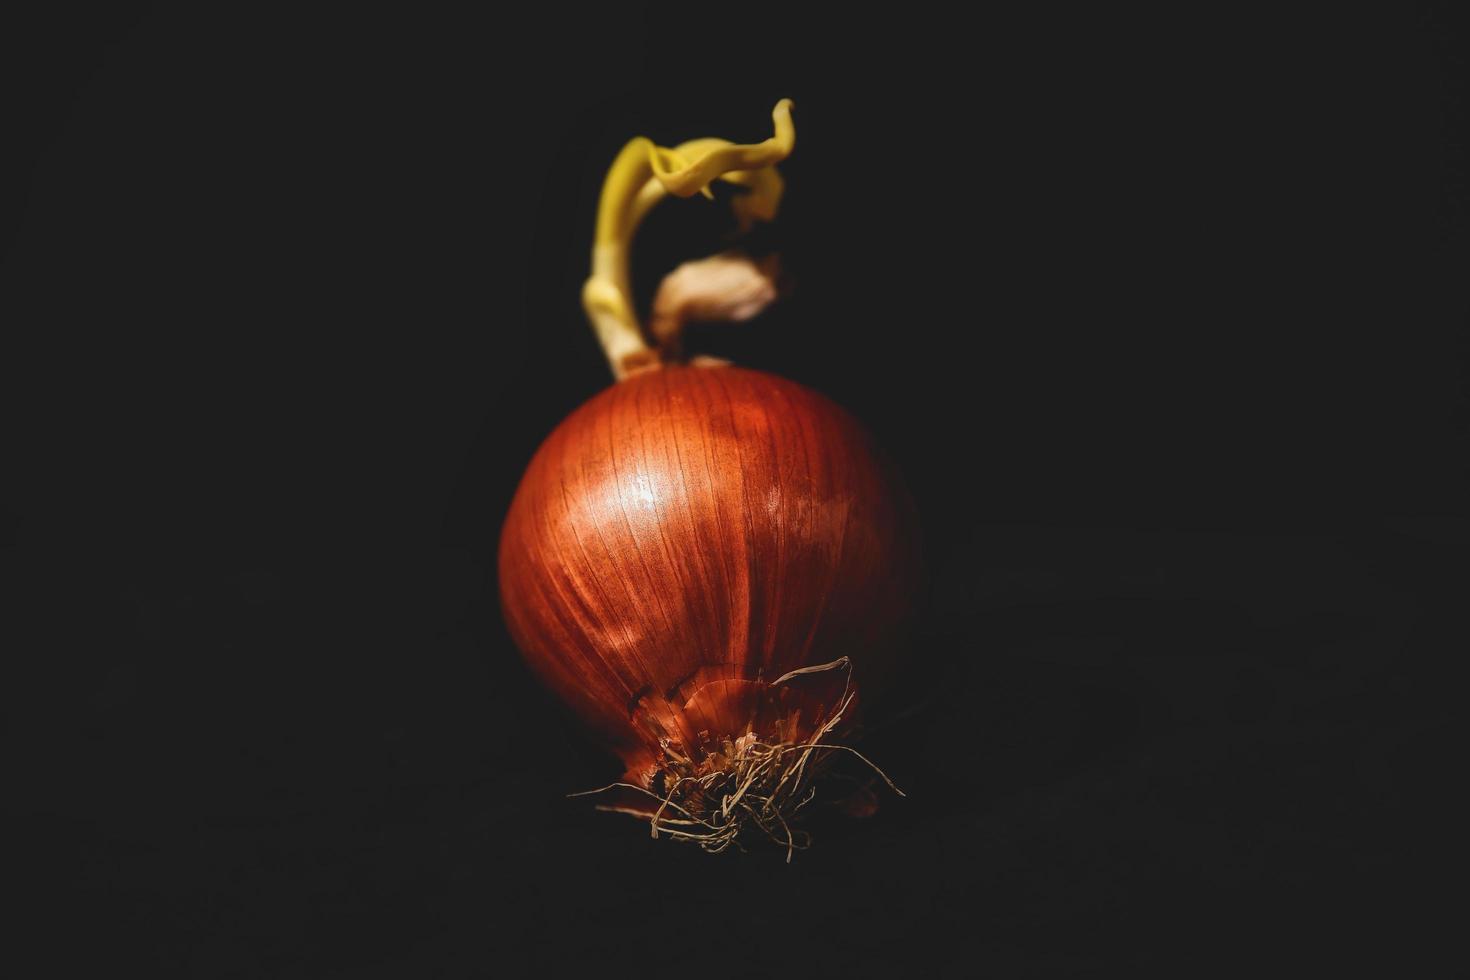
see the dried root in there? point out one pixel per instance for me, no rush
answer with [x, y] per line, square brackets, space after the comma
[744, 788]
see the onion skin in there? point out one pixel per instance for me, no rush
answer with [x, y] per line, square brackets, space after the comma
[690, 535]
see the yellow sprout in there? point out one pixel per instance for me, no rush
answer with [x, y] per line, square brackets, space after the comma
[642, 175]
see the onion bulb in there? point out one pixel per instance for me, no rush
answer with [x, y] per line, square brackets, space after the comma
[707, 564]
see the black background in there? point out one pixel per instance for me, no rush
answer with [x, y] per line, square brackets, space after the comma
[1161, 314]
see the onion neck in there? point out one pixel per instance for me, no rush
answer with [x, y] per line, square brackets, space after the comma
[644, 174]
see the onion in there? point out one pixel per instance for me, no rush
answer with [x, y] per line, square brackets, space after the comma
[707, 564]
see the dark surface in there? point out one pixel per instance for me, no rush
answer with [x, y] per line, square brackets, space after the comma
[290, 300]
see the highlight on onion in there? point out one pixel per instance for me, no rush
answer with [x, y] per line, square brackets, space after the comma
[709, 565]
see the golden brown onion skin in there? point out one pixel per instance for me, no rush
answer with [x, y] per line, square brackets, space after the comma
[689, 531]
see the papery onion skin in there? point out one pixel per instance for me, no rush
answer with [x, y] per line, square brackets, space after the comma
[688, 536]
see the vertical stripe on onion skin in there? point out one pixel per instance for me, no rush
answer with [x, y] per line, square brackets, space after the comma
[709, 565]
